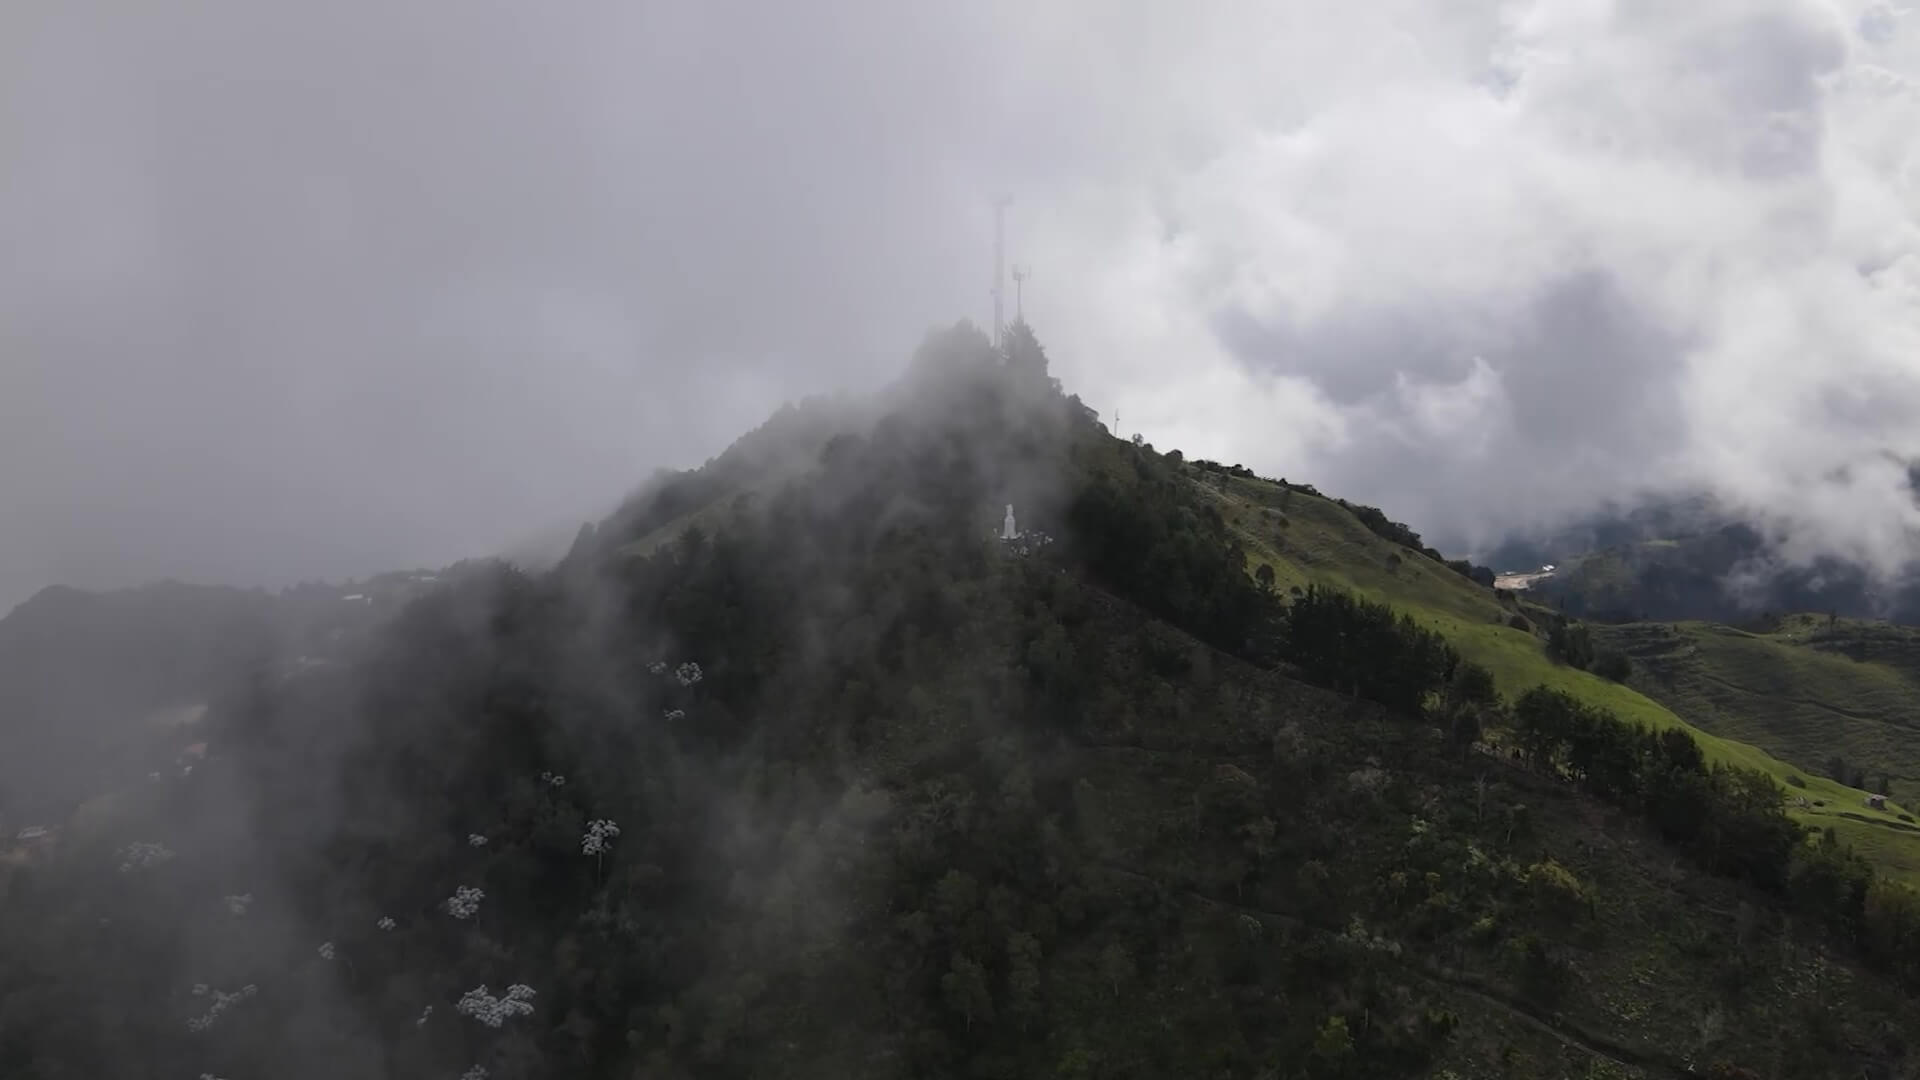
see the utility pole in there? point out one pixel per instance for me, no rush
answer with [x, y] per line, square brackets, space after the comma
[1000, 204]
[1020, 276]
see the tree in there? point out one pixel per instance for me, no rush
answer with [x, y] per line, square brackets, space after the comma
[1023, 978]
[1333, 1045]
[1367, 649]
[1570, 643]
[1463, 726]
[1556, 890]
[1027, 359]
[956, 896]
[1264, 575]
[964, 987]
[1472, 684]
[1116, 966]
[1613, 665]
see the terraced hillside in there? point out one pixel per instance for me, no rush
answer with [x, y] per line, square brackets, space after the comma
[1305, 539]
[1807, 688]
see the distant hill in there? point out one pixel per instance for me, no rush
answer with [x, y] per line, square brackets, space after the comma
[1691, 559]
[795, 766]
[80, 672]
[92, 684]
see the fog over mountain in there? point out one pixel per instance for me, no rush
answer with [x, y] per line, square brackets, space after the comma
[317, 290]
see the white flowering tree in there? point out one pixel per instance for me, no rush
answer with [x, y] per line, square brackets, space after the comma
[141, 855]
[238, 904]
[221, 1002]
[597, 841]
[478, 1072]
[465, 901]
[326, 950]
[688, 673]
[386, 923]
[552, 779]
[495, 1011]
[476, 840]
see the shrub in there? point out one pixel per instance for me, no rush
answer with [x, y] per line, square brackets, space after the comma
[1555, 889]
[1571, 644]
[1613, 665]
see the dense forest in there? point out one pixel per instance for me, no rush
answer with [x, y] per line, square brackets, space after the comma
[794, 766]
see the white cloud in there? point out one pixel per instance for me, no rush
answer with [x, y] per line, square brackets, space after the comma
[1534, 255]
[1479, 262]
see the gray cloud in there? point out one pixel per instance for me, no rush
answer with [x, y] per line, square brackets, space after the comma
[291, 291]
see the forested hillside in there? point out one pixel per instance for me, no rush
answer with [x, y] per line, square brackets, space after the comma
[795, 767]
[98, 689]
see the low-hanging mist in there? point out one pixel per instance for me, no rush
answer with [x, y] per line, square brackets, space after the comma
[262, 320]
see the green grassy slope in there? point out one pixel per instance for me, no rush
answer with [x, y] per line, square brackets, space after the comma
[1805, 691]
[1315, 540]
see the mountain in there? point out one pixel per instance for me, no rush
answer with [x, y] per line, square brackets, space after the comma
[1689, 558]
[795, 766]
[98, 689]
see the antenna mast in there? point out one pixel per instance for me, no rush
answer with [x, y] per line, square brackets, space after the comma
[1000, 204]
[1020, 276]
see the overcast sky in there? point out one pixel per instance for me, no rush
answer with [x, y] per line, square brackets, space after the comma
[318, 289]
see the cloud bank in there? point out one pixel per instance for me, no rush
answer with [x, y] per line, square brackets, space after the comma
[294, 290]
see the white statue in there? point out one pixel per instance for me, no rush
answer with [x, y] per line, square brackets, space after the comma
[1007, 531]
